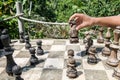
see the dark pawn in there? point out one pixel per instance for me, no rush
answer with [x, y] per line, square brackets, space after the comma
[27, 41]
[33, 58]
[1, 45]
[8, 51]
[17, 71]
[40, 51]
[21, 37]
[72, 72]
[10, 63]
[92, 59]
[5, 39]
[70, 53]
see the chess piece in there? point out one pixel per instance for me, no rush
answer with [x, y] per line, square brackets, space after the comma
[72, 72]
[70, 53]
[17, 71]
[27, 43]
[8, 51]
[33, 58]
[100, 38]
[1, 45]
[86, 36]
[88, 44]
[21, 37]
[39, 49]
[73, 32]
[92, 59]
[112, 59]
[5, 39]
[117, 70]
[71, 62]
[106, 50]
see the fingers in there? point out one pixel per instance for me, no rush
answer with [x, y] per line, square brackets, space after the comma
[75, 16]
[81, 26]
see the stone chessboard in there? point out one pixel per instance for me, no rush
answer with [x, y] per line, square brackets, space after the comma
[52, 65]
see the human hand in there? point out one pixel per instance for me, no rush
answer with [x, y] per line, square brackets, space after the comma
[82, 20]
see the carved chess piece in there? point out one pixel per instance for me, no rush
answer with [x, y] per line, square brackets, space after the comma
[33, 58]
[72, 72]
[100, 38]
[73, 32]
[117, 70]
[86, 36]
[88, 44]
[112, 59]
[27, 42]
[106, 50]
[17, 71]
[5, 39]
[70, 53]
[71, 62]
[40, 51]
[8, 51]
[92, 59]
[21, 37]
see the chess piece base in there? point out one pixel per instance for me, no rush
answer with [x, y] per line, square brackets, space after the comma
[112, 62]
[100, 40]
[33, 60]
[106, 52]
[74, 40]
[92, 60]
[116, 73]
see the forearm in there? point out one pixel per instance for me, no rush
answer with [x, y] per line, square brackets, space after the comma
[111, 21]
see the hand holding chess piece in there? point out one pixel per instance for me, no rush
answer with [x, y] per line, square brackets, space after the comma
[73, 32]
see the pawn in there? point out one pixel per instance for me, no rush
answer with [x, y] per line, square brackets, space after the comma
[33, 58]
[17, 71]
[5, 39]
[72, 72]
[100, 38]
[107, 50]
[70, 53]
[27, 45]
[21, 37]
[71, 62]
[92, 59]
[40, 51]
[86, 36]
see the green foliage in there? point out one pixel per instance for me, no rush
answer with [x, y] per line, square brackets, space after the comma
[55, 11]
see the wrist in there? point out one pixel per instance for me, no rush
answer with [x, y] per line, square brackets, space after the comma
[95, 21]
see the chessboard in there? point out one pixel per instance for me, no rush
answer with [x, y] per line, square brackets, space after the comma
[52, 65]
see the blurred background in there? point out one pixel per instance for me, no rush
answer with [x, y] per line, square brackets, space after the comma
[54, 11]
